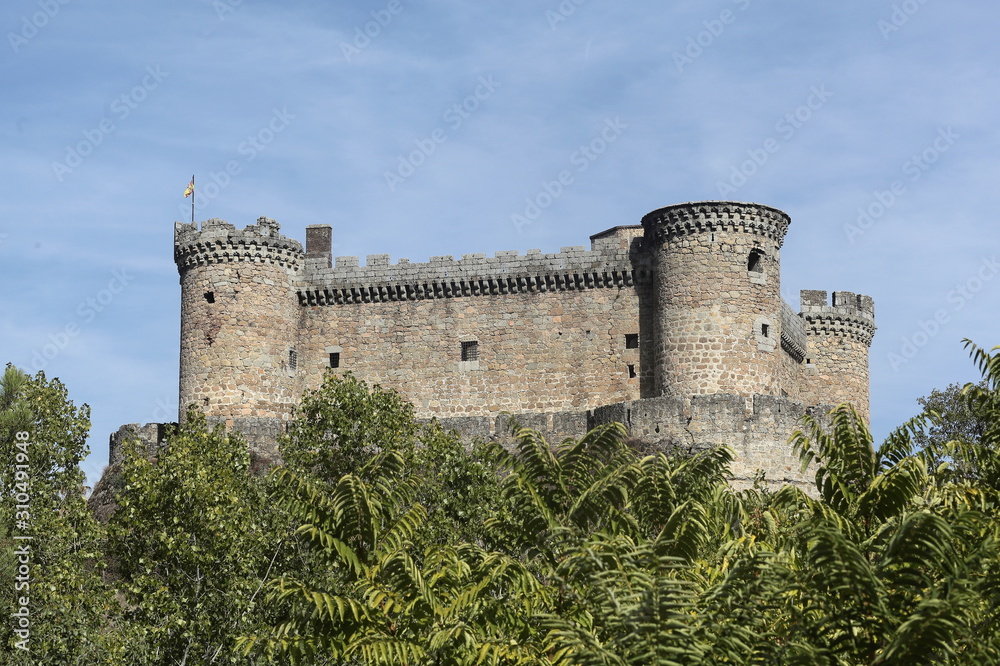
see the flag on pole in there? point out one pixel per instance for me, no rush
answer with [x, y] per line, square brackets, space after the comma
[188, 191]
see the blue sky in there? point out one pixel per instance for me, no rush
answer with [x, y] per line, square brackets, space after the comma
[868, 122]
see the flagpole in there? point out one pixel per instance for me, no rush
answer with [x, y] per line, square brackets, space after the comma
[192, 198]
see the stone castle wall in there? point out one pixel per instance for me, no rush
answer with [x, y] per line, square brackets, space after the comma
[794, 345]
[757, 429]
[549, 330]
[150, 436]
[676, 325]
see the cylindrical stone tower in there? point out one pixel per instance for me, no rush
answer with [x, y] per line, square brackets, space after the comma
[839, 335]
[717, 328]
[239, 322]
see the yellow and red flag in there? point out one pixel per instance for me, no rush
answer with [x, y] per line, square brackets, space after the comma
[190, 188]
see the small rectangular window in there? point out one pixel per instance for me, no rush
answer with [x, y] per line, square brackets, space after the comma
[631, 341]
[631, 370]
[210, 296]
[293, 359]
[765, 330]
[470, 351]
[335, 360]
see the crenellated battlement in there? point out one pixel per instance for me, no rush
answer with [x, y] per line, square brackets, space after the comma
[848, 315]
[507, 272]
[708, 216]
[220, 242]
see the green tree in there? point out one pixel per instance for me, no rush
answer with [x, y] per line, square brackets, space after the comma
[593, 555]
[340, 426]
[394, 603]
[345, 424]
[956, 420]
[457, 486]
[14, 413]
[632, 552]
[970, 450]
[192, 541]
[582, 484]
[42, 442]
[350, 527]
[879, 569]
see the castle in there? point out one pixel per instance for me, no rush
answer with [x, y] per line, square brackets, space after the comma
[675, 327]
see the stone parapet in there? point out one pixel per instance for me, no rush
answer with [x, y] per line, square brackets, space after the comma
[553, 426]
[757, 429]
[150, 437]
[850, 315]
[507, 272]
[708, 216]
[260, 433]
[220, 242]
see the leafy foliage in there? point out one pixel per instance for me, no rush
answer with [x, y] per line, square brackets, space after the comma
[192, 542]
[956, 421]
[974, 451]
[340, 426]
[388, 541]
[617, 559]
[67, 603]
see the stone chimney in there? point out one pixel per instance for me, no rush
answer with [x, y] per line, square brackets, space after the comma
[319, 241]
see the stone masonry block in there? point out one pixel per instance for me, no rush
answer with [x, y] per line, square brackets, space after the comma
[567, 424]
[616, 413]
[468, 426]
[539, 422]
[845, 299]
[812, 298]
